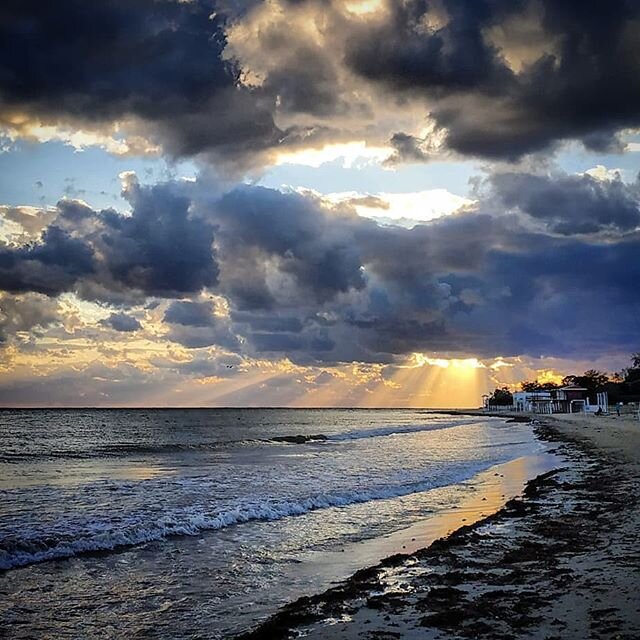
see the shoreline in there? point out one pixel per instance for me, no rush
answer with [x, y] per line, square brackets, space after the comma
[558, 562]
[481, 495]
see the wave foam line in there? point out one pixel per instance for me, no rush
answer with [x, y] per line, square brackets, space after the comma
[120, 449]
[20, 553]
[397, 430]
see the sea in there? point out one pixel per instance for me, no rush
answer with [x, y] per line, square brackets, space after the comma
[199, 523]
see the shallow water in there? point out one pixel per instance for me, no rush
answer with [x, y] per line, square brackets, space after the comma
[196, 523]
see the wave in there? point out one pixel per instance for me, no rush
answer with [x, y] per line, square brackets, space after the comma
[16, 553]
[129, 449]
[378, 432]
[119, 449]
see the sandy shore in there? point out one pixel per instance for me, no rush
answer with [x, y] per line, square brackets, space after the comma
[562, 561]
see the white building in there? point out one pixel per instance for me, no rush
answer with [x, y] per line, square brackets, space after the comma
[569, 399]
[533, 401]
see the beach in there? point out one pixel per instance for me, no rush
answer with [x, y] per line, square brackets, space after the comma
[204, 522]
[561, 561]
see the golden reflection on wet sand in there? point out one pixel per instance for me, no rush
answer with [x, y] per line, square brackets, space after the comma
[487, 493]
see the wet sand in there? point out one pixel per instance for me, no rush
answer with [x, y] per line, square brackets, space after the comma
[562, 561]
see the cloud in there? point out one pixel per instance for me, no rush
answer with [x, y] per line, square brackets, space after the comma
[51, 266]
[244, 85]
[160, 249]
[305, 246]
[123, 322]
[29, 221]
[505, 79]
[95, 385]
[195, 325]
[540, 264]
[571, 204]
[26, 312]
[154, 66]
[225, 366]
[404, 209]
[407, 148]
[190, 314]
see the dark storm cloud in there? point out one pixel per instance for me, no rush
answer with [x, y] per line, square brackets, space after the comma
[562, 297]
[218, 334]
[111, 58]
[123, 322]
[310, 246]
[572, 204]
[50, 266]
[329, 286]
[306, 83]
[279, 342]
[190, 314]
[584, 82]
[407, 148]
[273, 323]
[156, 60]
[500, 78]
[195, 325]
[409, 56]
[160, 249]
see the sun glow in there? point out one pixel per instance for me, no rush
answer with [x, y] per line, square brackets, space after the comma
[421, 360]
[352, 154]
[363, 7]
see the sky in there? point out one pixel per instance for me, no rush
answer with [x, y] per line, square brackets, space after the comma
[381, 203]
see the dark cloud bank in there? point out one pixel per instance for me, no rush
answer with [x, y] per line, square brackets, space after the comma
[582, 82]
[319, 283]
[156, 61]
[547, 264]
[502, 78]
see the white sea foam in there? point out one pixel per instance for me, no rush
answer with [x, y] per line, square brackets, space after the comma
[397, 430]
[58, 545]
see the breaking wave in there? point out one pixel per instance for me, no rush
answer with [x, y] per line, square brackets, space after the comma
[109, 537]
[397, 430]
[130, 449]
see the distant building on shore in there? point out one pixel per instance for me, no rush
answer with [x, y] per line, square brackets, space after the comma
[533, 401]
[568, 399]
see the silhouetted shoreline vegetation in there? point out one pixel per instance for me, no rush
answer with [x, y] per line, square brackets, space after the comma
[621, 386]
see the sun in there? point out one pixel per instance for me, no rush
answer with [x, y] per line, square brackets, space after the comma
[420, 360]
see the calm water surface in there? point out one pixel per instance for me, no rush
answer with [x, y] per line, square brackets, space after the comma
[197, 523]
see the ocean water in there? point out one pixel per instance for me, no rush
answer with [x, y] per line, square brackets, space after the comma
[198, 523]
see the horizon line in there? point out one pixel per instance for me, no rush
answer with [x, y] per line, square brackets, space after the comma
[230, 407]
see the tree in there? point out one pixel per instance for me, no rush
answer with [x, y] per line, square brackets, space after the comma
[632, 374]
[617, 377]
[501, 397]
[592, 380]
[537, 386]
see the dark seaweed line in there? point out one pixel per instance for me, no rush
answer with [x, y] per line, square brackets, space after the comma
[310, 609]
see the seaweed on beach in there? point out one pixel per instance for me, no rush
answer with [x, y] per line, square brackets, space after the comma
[482, 584]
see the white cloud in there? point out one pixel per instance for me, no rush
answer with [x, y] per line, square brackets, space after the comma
[403, 209]
[600, 172]
[352, 154]
[113, 138]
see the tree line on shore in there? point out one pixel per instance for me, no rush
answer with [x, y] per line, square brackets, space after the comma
[621, 386]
